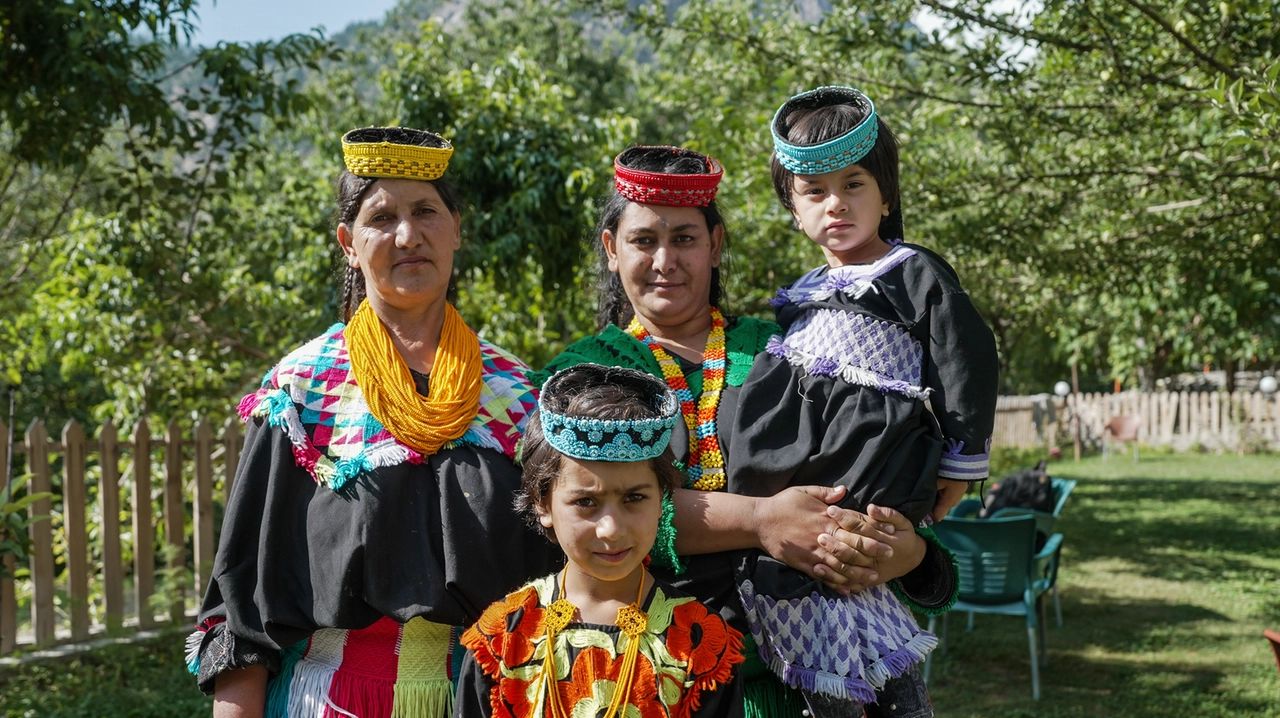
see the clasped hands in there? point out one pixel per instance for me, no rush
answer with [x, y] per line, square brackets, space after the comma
[852, 550]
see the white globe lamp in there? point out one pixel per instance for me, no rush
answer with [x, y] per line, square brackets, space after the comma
[1062, 388]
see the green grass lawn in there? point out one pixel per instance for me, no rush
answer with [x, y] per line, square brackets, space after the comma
[1171, 569]
[147, 680]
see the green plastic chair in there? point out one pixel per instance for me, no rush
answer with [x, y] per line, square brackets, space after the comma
[1045, 524]
[1002, 573]
[1062, 488]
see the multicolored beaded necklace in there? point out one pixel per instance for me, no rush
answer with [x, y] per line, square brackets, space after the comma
[706, 463]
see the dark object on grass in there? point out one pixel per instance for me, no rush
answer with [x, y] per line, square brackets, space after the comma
[1026, 489]
[1274, 638]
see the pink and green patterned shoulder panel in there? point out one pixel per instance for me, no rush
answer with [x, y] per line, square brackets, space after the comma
[312, 396]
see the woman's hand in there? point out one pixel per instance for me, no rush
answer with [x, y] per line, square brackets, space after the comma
[240, 693]
[791, 526]
[857, 543]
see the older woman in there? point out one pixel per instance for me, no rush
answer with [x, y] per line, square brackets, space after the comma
[372, 509]
[661, 239]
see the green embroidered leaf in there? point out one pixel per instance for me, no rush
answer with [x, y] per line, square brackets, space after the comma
[589, 638]
[660, 610]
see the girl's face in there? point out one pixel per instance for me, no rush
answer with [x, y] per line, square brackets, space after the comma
[403, 240]
[605, 516]
[664, 256]
[841, 211]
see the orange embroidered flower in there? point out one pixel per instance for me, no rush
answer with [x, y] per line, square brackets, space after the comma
[592, 665]
[517, 650]
[515, 698]
[697, 637]
[514, 647]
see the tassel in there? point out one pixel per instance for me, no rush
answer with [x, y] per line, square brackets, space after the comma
[422, 699]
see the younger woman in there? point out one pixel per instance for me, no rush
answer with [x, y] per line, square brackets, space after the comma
[600, 637]
[869, 337]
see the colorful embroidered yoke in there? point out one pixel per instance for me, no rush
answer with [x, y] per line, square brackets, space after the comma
[312, 395]
[685, 656]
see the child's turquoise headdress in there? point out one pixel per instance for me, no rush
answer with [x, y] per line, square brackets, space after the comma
[610, 439]
[828, 156]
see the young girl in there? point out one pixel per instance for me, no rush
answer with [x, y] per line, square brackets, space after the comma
[871, 336]
[601, 637]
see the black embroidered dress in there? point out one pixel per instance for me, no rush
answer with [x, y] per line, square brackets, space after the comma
[841, 401]
[347, 560]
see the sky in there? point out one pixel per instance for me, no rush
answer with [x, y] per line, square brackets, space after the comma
[253, 20]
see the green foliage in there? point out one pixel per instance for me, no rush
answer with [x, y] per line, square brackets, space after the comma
[15, 540]
[137, 239]
[146, 680]
[1100, 173]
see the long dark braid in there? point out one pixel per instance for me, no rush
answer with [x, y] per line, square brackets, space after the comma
[613, 306]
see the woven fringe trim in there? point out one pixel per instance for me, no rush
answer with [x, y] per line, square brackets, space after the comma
[770, 698]
[360, 696]
[812, 680]
[193, 644]
[277, 703]
[850, 374]
[862, 690]
[854, 289]
[422, 699]
[280, 412]
[308, 690]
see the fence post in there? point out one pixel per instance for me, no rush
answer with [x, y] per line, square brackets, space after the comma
[42, 616]
[202, 506]
[109, 501]
[143, 531]
[174, 521]
[8, 600]
[74, 499]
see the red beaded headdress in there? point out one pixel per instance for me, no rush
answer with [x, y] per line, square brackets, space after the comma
[673, 190]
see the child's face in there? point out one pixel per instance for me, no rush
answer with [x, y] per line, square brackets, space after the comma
[605, 515]
[841, 211]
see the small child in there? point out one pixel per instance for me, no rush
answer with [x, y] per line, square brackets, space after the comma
[601, 637]
[871, 336]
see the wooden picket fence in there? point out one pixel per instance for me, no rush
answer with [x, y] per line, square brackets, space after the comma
[57, 594]
[1182, 420]
[86, 479]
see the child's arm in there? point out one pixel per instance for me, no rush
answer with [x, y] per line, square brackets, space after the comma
[962, 370]
[950, 494]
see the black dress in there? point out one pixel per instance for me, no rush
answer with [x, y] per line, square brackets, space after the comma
[346, 560]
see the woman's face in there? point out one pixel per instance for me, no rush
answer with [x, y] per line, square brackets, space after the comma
[664, 256]
[403, 240]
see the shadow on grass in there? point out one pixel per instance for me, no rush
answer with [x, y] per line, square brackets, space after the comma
[1110, 659]
[1174, 530]
[1136, 656]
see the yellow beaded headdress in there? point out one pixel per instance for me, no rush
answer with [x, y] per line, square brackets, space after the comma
[396, 152]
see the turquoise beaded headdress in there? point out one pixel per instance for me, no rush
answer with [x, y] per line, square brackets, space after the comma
[592, 439]
[828, 156]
